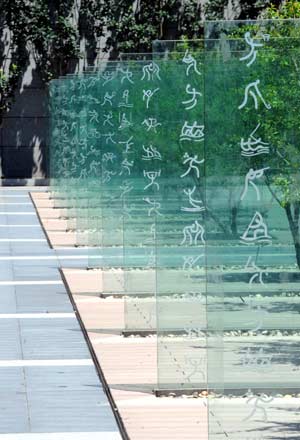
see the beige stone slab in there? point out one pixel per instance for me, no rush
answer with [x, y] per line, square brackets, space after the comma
[130, 369]
[40, 195]
[82, 280]
[55, 224]
[101, 314]
[62, 238]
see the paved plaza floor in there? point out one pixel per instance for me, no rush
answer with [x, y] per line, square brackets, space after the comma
[49, 386]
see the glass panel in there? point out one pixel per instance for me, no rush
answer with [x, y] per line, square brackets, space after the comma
[252, 167]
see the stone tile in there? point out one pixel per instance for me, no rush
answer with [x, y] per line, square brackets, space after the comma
[10, 346]
[13, 412]
[53, 339]
[62, 410]
[42, 299]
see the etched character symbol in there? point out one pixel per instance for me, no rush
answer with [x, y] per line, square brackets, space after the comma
[259, 315]
[154, 207]
[108, 97]
[192, 162]
[151, 153]
[196, 365]
[151, 124]
[126, 75]
[150, 71]
[94, 116]
[257, 360]
[196, 205]
[250, 177]
[128, 144]
[148, 94]
[259, 406]
[125, 100]
[256, 231]
[254, 146]
[126, 166]
[190, 262]
[191, 63]
[192, 132]
[108, 118]
[193, 101]
[124, 121]
[152, 176]
[251, 56]
[258, 275]
[253, 90]
[192, 233]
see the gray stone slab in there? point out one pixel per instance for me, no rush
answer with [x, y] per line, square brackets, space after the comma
[35, 273]
[54, 410]
[10, 346]
[13, 412]
[6, 270]
[7, 299]
[21, 233]
[73, 378]
[53, 339]
[8, 207]
[12, 379]
[41, 299]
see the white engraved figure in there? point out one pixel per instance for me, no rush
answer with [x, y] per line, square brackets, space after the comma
[189, 262]
[94, 116]
[193, 132]
[191, 234]
[128, 144]
[126, 188]
[150, 71]
[193, 101]
[151, 153]
[109, 138]
[193, 331]
[256, 231]
[152, 176]
[108, 157]
[107, 176]
[253, 90]
[191, 63]
[108, 119]
[259, 315]
[83, 173]
[148, 94]
[151, 240]
[254, 146]
[108, 76]
[263, 399]
[155, 206]
[192, 162]
[196, 205]
[108, 97]
[94, 167]
[253, 52]
[151, 124]
[125, 100]
[197, 365]
[250, 176]
[258, 275]
[127, 75]
[125, 166]
[124, 122]
[127, 211]
[151, 264]
[259, 360]
[82, 85]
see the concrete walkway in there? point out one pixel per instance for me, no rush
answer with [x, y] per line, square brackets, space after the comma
[49, 387]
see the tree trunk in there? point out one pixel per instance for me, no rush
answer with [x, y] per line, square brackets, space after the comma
[233, 223]
[294, 227]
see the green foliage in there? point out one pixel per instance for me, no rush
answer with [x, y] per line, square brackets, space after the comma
[134, 29]
[289, 9]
